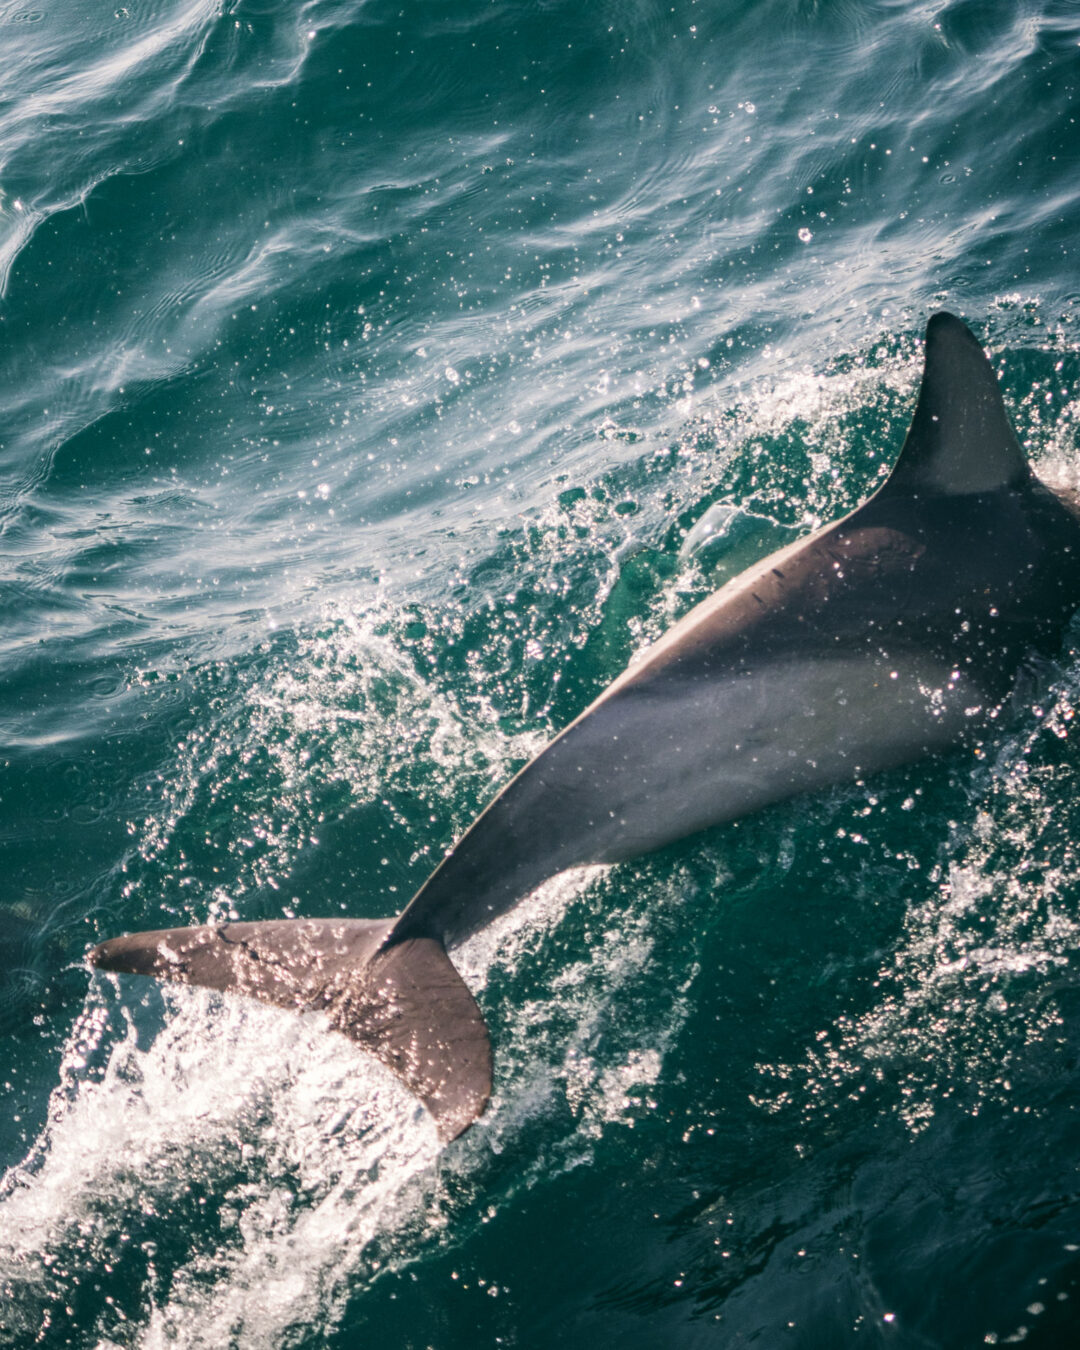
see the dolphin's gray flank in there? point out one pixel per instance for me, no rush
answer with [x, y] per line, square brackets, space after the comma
[890, 634]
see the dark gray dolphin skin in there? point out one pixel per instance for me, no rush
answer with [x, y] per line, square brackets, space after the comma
[893, 633]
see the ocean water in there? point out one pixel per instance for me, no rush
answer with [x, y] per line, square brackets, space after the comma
[375, 380]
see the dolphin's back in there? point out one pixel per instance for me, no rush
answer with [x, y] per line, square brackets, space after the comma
[885, 636]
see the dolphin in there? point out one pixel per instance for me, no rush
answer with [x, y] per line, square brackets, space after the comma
[893, 633]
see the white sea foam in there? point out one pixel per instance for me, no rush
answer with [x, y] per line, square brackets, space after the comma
[248, 1171]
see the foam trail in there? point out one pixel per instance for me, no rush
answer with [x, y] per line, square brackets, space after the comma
[238, 1175]
[296, 1146]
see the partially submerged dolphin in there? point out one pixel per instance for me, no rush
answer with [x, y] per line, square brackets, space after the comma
[892, 633]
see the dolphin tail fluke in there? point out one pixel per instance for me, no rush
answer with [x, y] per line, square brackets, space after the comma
[403, 1002]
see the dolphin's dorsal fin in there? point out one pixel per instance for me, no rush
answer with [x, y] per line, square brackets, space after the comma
[960, 439]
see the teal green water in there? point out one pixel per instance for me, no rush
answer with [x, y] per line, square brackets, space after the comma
[374, 381]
